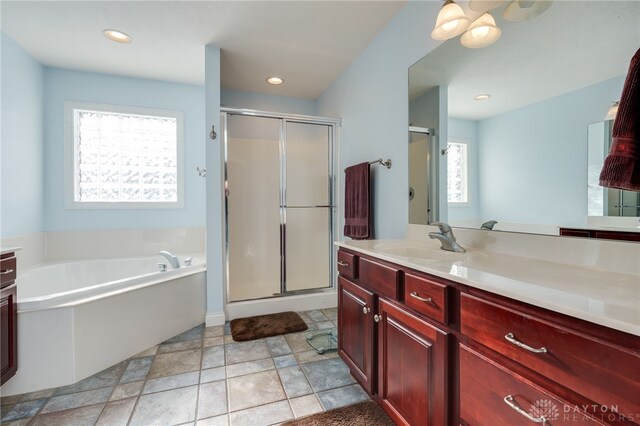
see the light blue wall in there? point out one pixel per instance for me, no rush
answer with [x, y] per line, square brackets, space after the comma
[63, 85]
[21, 149]
[259, 101]
[371, 96]
[424, 111]
[468, 130]
[215, 220]
[533, 161]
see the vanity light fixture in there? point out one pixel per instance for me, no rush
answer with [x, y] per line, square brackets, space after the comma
[481, 33]
[117, 36]
[275, 80]
[523, 10]
[482, 97]
[451, 21]
[613, 111]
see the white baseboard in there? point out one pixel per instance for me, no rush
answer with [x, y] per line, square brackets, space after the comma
[214, 318]
[303, 302]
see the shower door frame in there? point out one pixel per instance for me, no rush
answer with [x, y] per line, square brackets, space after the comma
[333, 124]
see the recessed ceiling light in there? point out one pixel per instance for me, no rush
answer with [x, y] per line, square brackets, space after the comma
[275, 80]
[482, 97]
[117, 36]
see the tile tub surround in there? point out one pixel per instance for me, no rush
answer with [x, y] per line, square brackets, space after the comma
[604, 297]
[103, 243]
[202, 377]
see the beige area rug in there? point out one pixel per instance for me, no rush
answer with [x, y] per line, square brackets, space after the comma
[252, 328]
[366, 413]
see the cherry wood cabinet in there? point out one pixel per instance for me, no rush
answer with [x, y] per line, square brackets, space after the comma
[412, 367]
[596, 233]
[8, 318]
[398, 357]
[436, 352]
[356, 338]
[602, 371]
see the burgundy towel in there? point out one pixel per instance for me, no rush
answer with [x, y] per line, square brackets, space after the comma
[622, 166]
[357, 199]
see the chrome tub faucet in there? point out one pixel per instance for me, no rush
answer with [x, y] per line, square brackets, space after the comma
[173, 260]
[446, 238]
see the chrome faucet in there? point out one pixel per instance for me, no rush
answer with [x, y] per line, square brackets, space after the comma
[446, 238]
[173, 260]
[488, 226]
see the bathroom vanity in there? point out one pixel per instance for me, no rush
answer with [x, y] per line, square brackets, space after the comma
[9, 316]
[433, 347]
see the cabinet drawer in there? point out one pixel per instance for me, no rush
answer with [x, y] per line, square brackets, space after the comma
[427, 297]
[484, 386]
[7, 271]
[604, 373]
[380, 278]
[348, 264]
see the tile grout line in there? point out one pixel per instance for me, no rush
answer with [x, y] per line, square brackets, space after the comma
[226, 379]
[144, 384]
[112, 391]
[195, 416]
[280, 377]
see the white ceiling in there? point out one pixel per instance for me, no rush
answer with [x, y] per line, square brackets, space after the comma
[572, 45]
[308, 43]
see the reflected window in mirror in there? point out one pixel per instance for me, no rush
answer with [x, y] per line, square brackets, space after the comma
[457, 172]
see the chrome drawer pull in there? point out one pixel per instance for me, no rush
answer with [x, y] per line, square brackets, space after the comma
[422, 299]
[377, 318]
[6, 271]
[366, 310]
[341, 263]
[511, 403]
[512, 339]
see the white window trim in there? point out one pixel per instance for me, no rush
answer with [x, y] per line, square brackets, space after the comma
[69, 160]
[467, 203]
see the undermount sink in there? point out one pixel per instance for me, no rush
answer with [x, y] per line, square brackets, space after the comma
[417, 252]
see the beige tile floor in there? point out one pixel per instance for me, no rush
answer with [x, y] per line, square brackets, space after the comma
[201, 377]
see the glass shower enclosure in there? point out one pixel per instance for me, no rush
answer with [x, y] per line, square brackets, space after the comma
[279, 204]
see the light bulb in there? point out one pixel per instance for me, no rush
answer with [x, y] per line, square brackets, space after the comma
[451, 22]
[481, 33]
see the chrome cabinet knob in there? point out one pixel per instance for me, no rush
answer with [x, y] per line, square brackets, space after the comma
[366, 310]
[377, 318]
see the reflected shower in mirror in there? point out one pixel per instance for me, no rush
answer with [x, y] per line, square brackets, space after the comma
[517, 118]
[606, 201]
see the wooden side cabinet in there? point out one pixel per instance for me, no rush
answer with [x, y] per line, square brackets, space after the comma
[356, 338]
[8, 318]
[412, 367]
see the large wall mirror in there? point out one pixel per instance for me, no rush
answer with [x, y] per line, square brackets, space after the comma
[527, 152]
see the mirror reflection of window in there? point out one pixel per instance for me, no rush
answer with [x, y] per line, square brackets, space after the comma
[457, 172]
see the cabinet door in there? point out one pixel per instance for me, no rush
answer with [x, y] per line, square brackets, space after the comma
[8, 334]
[412, 368]
[355, 331]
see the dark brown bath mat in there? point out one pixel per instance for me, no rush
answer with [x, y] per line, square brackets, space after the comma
[366, 413]
[252, 328]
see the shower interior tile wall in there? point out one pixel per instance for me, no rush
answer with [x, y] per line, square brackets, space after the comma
[202, 375]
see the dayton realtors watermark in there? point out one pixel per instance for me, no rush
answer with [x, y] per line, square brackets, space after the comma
[549, 410]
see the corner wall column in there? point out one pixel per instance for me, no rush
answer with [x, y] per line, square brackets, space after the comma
[214, 220]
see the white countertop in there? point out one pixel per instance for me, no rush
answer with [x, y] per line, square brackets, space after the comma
[6, 250]
[601, 297]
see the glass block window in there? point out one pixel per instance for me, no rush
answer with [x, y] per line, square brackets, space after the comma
[123, 158]
[457, 172]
